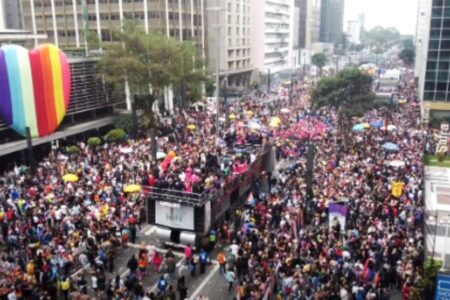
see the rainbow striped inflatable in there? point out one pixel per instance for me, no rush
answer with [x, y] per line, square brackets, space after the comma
[34, 88]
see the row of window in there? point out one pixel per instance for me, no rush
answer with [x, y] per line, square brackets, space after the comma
[245, 20]
[439, 44]
[131, 16]
[106, 33]
[47, 3]
[246, 8]
[238, 30]
[441, 3]
[238, 42]
[245, 63]
[434, 55]
[237, 53]
[435, 95]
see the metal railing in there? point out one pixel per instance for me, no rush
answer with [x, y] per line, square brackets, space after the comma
[199, 199]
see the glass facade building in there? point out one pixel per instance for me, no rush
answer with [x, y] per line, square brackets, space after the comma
[437, 76]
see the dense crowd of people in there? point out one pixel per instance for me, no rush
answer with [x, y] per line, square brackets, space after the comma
[381, 246]
[51, 228]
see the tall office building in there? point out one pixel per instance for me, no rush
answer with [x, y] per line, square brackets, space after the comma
[272, 34]
[422, 19]
[228, 41]
[331, 21]
[65, 25]
[309, 22]
[434, 77]
[11, 9]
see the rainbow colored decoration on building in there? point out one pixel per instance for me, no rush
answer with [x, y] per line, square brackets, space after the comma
[34, 88]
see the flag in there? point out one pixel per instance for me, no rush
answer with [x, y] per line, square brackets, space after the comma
[337, 211]
[84, 14]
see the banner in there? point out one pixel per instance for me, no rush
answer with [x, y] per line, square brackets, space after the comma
[397, 188]
[337, 211]
[174, 215]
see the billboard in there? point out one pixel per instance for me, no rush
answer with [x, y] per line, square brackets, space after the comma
[442, 291]
[174, 215]
[34, 88]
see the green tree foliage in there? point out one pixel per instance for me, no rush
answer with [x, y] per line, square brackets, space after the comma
[149, 63]
[408, 53]
[94, 141]
[431, 268]
[72, 149]
[115, 135]
[349, 92]
[319, 60]
[380, 36]
[125, 122]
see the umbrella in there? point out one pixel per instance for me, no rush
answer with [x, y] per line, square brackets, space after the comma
[285, 110]
[390, 147]
[366, 125]
[402, 101]
[191, 127]
[249, 113]
[171, 153]
[254, 125]
[376, 124]
[358, 128]
[391, 127]
[160, 155]
[397, 163]
[232, 117]
[132, 188]
[70, 178]
[126, 150]
[275, 122]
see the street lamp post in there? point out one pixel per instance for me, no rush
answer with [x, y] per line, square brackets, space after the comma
[217, 92]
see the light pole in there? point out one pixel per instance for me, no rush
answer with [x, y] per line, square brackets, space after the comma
[217, 92]
[435, 219]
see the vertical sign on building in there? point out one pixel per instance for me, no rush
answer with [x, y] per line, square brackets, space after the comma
[442, 291]
[85, 23]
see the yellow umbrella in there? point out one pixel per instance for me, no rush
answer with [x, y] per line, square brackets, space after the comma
[191, 127]
[132, 188]
[366, 125]
[274, 124]
[275, 120]
[249, 113]
[70, 178]
[402, 101]
[232, 117]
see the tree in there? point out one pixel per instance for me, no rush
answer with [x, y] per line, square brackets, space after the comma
[380, 36]
[319, 60]
[349, 92]
[149, 63]
[408, 53]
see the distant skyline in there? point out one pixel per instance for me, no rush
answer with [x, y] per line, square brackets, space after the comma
[401, 14]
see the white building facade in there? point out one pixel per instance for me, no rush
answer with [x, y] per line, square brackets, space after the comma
[272, 33]
[228, 40]
[353, 31]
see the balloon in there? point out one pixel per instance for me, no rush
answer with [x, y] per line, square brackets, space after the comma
[166, 162]
[35, 88]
